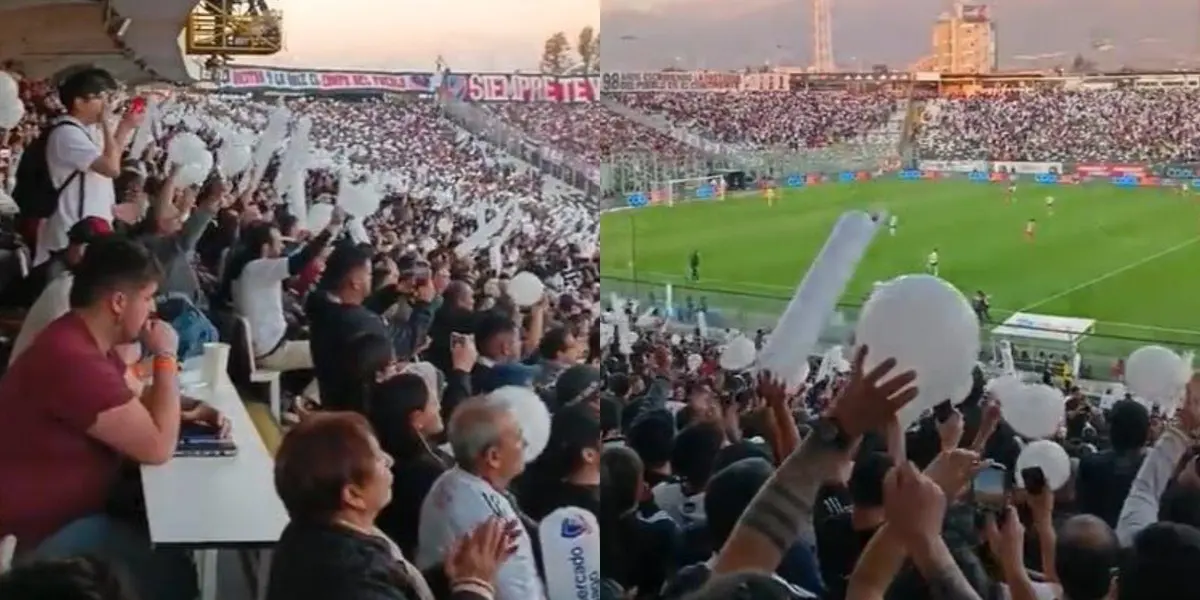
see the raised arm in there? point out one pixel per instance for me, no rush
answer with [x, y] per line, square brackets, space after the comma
[782, 510]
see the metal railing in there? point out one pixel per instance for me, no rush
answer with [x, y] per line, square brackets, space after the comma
[748, 312]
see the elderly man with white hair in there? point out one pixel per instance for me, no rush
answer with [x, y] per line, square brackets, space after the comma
[488, 446]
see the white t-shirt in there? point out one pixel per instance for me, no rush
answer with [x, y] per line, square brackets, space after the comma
[258, 296]
[71, 149]
[54, 302]
[459, 502]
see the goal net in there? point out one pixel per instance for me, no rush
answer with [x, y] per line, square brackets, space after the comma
[691, 189]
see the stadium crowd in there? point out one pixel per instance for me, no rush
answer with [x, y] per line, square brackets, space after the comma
[403, 468]
[402, 460]
[794, 120]
[1128, 125]
[699, 465]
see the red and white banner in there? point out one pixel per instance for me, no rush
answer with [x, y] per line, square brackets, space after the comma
[1100, 170]
[494, 87]
[303, 81]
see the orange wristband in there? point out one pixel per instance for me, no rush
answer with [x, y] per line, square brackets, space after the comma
[166, 364]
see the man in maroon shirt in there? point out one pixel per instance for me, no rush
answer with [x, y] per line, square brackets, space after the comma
[71, 421]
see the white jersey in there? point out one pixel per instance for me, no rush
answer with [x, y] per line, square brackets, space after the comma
[933, 259]
[893, 221]
[459, 502]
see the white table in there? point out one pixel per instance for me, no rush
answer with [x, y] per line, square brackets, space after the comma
[213, 503]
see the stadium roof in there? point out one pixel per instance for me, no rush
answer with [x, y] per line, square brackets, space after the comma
[136, 40]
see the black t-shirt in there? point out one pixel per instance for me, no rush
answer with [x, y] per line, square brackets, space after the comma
[838, 548]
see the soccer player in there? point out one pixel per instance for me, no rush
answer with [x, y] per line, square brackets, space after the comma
[720, 184]
[1030, 228]
[770, 196]
[893, 222]
[694, 266]
[1012, 192]
[1050, 204]
[931, 263]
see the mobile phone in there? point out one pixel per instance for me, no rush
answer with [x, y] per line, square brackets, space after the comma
[1035, 480]
[942, 412]
[989, 489]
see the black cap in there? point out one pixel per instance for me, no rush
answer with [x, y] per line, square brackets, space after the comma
[577, 383]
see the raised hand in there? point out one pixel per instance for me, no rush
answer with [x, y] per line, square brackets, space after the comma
[869, 401]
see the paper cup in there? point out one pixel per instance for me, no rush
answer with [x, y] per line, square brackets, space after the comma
[215, 361]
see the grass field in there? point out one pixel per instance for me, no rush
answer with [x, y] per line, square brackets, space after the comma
[1125, 257]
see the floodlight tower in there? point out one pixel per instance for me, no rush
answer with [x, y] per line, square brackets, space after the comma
[822, 37]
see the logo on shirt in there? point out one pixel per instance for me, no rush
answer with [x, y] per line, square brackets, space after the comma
[573, 527]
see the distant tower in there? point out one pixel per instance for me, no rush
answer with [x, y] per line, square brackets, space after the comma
[822, 37]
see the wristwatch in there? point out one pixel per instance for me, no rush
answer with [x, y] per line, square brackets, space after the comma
[830, 433]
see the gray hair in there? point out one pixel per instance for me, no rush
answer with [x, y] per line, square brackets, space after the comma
[474, 427]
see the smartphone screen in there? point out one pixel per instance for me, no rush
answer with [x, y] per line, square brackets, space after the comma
[988, 488]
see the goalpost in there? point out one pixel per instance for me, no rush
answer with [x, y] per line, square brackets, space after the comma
[690, 189]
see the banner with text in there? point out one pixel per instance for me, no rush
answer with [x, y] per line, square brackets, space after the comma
[1178, 171]
[672, 81]
[1101, 170]
[1027, 168]
[301, 81]
[953, 166]
[517, 87]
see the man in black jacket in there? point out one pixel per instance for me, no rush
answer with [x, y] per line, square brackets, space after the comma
[344, 309]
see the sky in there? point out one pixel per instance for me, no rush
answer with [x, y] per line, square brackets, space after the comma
[719, 34]
[398, 35]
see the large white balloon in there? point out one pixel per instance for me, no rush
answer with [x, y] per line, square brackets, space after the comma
[526, 289]
[1034, 411]
[927, 326]
[190, 153]
[1050, 458]
[12, 110]
[530, 412]
[738, 354]
[1156, 374]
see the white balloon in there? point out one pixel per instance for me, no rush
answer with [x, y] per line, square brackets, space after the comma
[927, 326]
[1156, 374]
[1034, 411]
[1048, 456]
[694, 361]
[12, 110]
[738, 354]
[234, 159]
[319, 216]
[525, 289]
[531, 413]
[9, 88]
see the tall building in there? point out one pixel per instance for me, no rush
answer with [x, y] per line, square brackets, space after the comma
[964, 41]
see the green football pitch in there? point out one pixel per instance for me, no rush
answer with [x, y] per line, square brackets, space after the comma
[1127, 257]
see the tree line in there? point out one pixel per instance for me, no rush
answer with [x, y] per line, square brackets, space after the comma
[561, 57]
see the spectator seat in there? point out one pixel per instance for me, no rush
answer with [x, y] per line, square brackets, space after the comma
[242, 369]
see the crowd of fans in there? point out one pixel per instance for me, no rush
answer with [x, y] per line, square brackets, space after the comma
[712, 477]
[393, 349]
[1128, 125]
[795, 120]
[403, 466]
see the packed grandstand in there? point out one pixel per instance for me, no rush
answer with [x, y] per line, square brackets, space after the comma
[423, 246]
